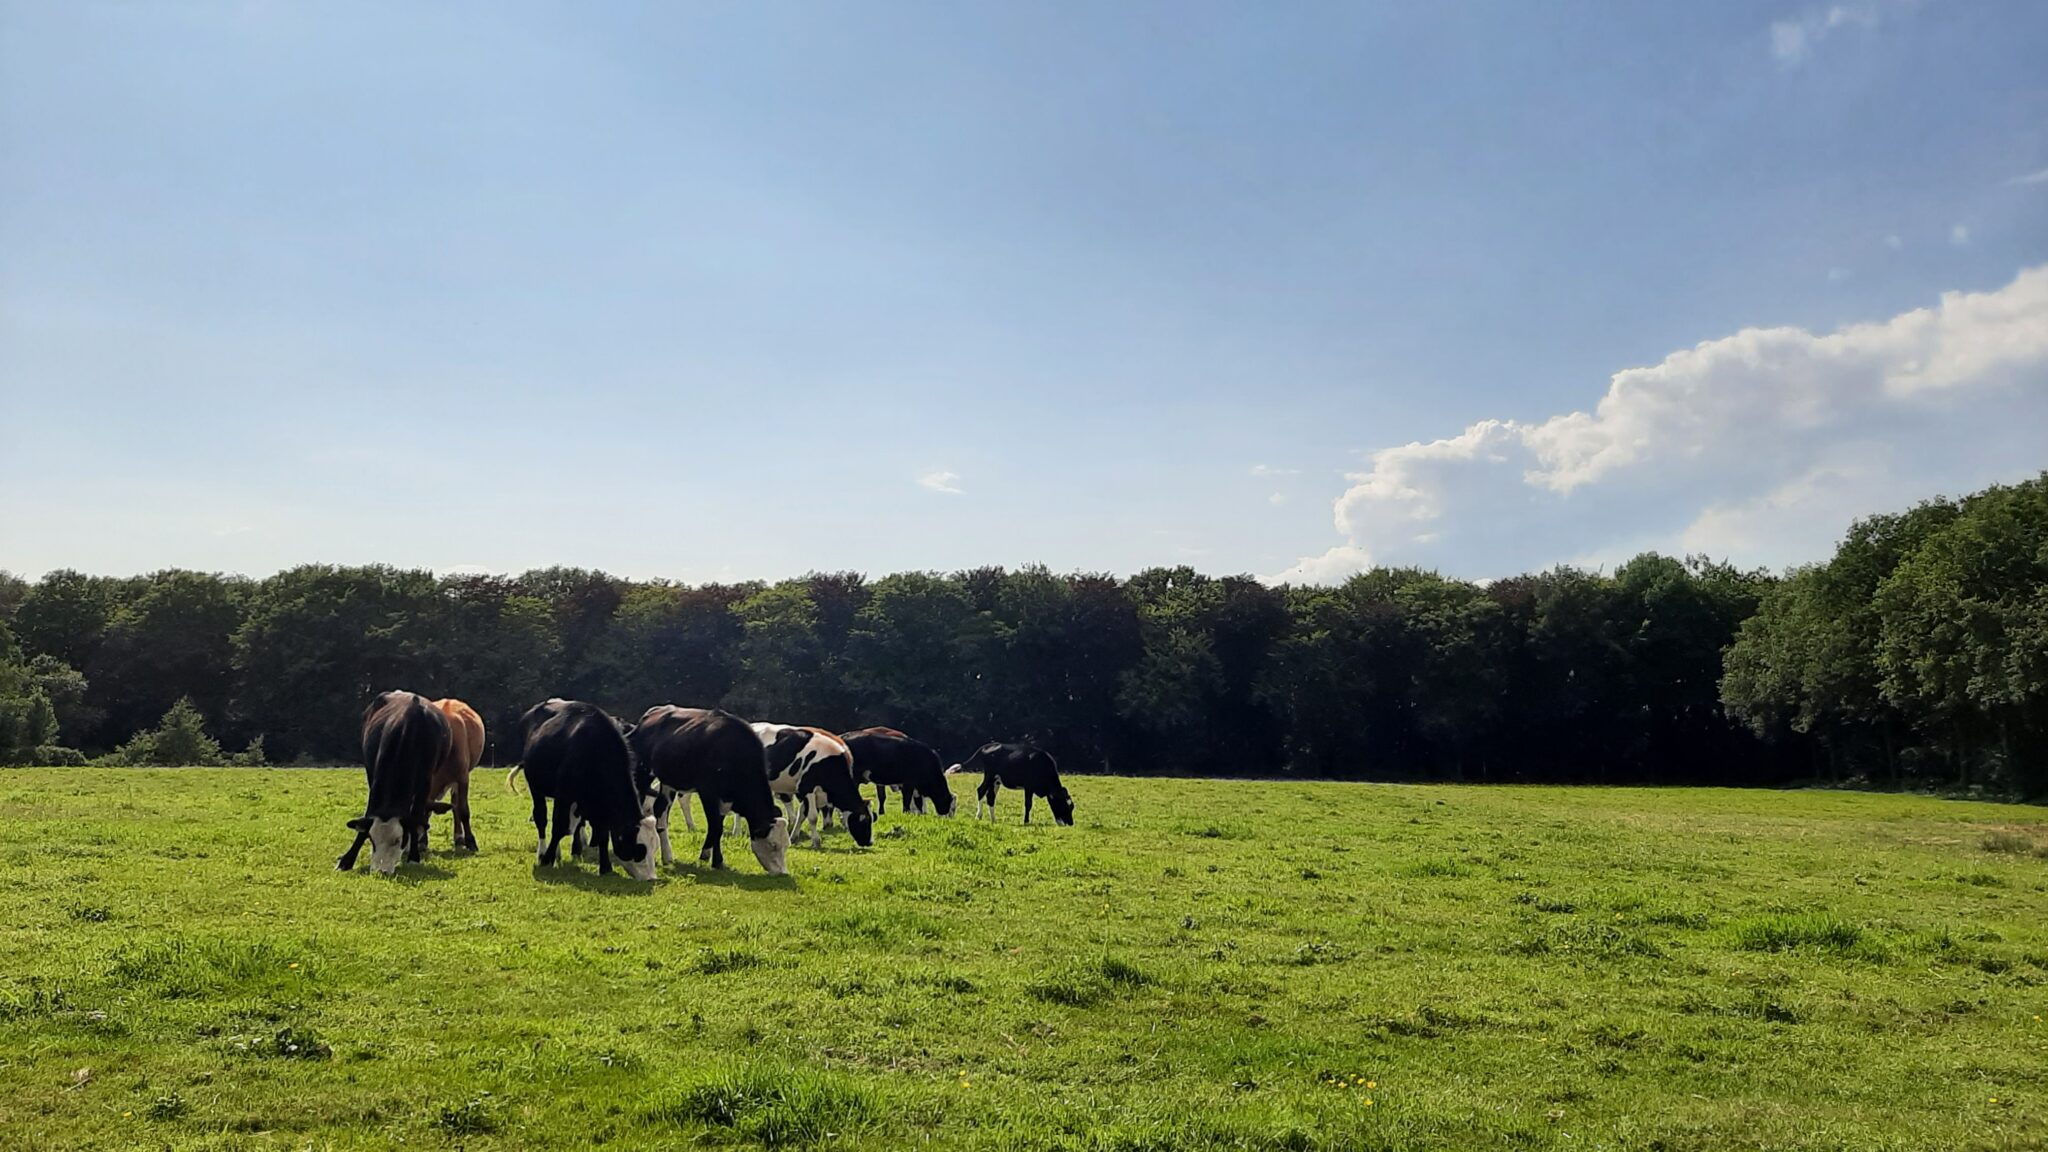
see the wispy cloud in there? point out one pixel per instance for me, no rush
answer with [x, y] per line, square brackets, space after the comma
[947, 482]
[1793, 40]
[1269, 470]
[2040, 177]
[1759, 446]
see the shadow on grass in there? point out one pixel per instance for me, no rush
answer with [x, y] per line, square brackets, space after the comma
[567, 875]
[422, 873]
[726, 877]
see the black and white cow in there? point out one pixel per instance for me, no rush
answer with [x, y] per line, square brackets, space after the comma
[811, 772]
[1021, 766]
[404, 737]
[717, 756]
[888, 759]
[577, 755]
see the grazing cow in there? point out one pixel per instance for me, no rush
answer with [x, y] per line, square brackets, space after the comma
[1019, 766]
[404, 737]
[717, 756]
[888, 759]
[451, 775]
[811, 771]
[577, 755]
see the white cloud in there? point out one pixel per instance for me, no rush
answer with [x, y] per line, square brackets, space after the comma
[2040, 177]
[1792, 41]
[1759, 446]
[1959, 235]
[947, 482]
[1269, 470]
[1277, 498]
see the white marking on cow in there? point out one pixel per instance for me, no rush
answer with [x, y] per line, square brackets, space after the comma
[387, 846]
[648, 840]
[772, 850]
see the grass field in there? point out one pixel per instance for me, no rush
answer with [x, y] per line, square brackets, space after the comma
[1194, 965]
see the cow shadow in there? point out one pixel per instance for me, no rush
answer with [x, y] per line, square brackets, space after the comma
[728, 878]
[421, 873]
[568, 876]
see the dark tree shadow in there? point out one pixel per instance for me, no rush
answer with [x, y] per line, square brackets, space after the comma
[567, 875]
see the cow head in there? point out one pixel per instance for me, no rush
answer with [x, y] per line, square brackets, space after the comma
[942, 800]
[1062, 803]
[860, 823]
[387, 842]
[637, 855]
[772, 850]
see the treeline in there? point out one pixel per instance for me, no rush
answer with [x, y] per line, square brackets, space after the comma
[1914, 658]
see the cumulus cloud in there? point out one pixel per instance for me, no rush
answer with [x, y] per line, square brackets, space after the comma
[947, 482]
[1759, 446]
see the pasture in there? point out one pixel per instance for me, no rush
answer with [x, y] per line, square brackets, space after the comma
[1196, 964]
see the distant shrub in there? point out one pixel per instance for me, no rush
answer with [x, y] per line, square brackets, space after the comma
[58, 756]
[180, 740]
[1784, 933]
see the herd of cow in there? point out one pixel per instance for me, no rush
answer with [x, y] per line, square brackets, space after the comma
[617, 781]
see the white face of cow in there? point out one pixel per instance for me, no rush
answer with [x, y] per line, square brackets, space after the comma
[772, 850]
[387, 846]
[649, 840]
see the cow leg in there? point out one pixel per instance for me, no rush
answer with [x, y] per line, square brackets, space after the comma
[881, 794]
[540, 829]
[714, 827]
[603, 838]
[464, 837]
[1027, 805]
[813, 812]
[986, 794]
[664, 799]
[688, 822]
[565, 828]
[347, 862]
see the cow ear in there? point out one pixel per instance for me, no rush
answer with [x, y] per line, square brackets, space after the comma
[359, 824]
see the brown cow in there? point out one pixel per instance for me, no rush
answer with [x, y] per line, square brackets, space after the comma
[465, 749]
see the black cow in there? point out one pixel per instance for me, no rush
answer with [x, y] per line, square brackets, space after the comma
[716, 755]
[1019, 766]
[404, 737]
[577, 755]
[812, 771]
[888, 759]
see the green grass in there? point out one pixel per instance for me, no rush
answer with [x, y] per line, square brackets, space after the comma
[1196, 965]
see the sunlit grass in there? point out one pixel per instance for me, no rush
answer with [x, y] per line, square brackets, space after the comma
[1195, 965]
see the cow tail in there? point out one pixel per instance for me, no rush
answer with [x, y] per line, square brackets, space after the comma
[510, 776]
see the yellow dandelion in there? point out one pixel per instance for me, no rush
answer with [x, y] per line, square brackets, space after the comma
[1372, 1084]
[128, 1114]
[1368, 1102]
[293, 964]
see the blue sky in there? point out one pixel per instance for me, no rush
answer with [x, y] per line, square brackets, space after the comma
[735, 291]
